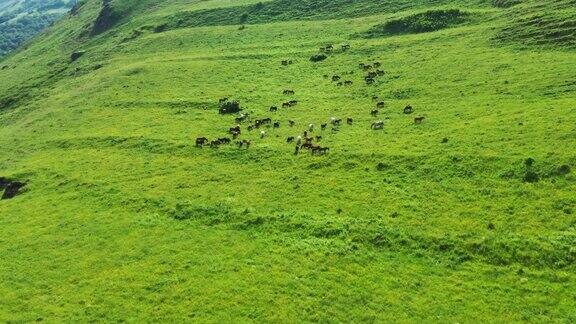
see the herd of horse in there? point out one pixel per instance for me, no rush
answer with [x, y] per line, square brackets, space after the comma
[305, 140]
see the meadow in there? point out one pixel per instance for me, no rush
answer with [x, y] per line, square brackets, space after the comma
[466, 217]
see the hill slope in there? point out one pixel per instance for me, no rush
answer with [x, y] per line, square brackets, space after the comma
[466, 216]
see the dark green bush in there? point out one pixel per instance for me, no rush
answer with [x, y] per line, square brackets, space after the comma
[431, 20]
[531, 177]
[318, 57]
[230, 107]
[563, 170]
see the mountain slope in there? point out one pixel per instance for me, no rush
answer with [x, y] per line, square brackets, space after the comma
[467, 216]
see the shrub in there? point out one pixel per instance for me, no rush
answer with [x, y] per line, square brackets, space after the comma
[318, 57]
[529, 162]
[243, 18]
[230, 107]
[563, 170]
[431, 20]
[382, 166]
[531, 177]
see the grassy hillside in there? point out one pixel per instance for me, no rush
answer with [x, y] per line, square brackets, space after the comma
[468, 216]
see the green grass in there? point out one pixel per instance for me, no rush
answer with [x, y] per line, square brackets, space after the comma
[125, 220]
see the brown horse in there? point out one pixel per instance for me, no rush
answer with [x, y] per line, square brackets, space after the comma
[200, 141]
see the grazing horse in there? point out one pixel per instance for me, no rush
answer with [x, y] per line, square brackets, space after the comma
[377, 64]
[418, 120]
[290, 139]
[235, 134]
[319, 150]
[215, 144]
[349, 121]
[200, 141]
[291, 123]
[380, 105]
[243, 117]
[224, 140]
[288, 92]
[234, 129]
[374, 97]
[408, 109]
[348, 83]
[369, 80]
[335, 78]
[298, 140]
[318, 138]
[336, 121]
[311, 127]
[323, 126]
[380, 72]
[273, 109]
[339, 84]
[377, 125]
[307, 146]
[277, 125]
[374, 112]
[262, 134]
[245, 143]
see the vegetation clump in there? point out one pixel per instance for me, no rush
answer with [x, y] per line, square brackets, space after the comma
[563, 170]
[76, 55]
[105, 18]
[229, 107]
[428, 21]
[318, 57]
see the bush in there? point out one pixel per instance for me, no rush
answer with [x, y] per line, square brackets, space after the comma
[563, 170]
[382, 166]
[428, 21]
[230, 107]
[531, 177]
[529, 162]
[318, 58]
